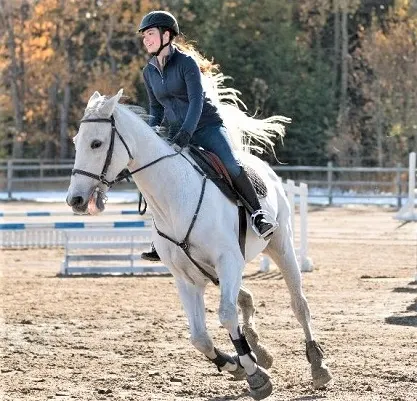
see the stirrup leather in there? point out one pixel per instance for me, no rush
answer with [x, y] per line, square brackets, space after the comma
[268, 218]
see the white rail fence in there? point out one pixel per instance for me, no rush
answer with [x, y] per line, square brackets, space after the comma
[293, 191]
[51, 235]
[91, 239]
[116, 251]
[345, 183]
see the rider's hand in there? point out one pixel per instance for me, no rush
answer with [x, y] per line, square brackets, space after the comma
[182, 138]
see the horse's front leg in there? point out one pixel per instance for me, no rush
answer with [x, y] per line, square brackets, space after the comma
[192, 298]
[229, 269]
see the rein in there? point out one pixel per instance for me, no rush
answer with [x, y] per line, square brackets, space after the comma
[184, 244]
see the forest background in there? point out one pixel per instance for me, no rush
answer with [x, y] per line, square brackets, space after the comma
[345, 71]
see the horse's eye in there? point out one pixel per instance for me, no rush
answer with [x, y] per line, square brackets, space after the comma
[95, 144]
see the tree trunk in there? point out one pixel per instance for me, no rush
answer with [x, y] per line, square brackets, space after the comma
[108, 46]
[336, 60]
[16, 77]
[51, 126]
[379, 125]
[64, 113]
[344, 72]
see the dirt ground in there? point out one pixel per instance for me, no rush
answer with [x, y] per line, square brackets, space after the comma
[126, 338]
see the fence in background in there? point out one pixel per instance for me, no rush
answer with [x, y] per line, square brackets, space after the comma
[345, 182]
[117, 251]
[79, 236]
[350, 182]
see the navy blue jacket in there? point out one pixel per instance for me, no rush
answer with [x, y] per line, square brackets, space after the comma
[176, 94]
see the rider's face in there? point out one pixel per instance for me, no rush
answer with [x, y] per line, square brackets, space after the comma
[152, 39]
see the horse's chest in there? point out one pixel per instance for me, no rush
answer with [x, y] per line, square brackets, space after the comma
[182, 266]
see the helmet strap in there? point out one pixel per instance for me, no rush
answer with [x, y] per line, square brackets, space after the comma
[162, 45]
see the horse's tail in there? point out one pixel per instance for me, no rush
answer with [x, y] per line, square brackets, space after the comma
[246, 133]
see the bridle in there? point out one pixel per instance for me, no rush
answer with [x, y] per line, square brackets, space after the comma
[102, 177]
[124, 174]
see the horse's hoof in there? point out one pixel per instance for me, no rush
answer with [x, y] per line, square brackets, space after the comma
[265, 359]
[319, 371]
[321, 376]
[239, 373]
[259, 384]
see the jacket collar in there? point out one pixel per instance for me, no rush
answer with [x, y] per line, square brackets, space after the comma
[172, 51]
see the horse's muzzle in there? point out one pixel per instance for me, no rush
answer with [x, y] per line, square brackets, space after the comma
[78, 203]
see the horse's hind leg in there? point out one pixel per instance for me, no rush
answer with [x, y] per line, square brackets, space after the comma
[192, 298]
[281, 250]
[245, 302]
[229, 269]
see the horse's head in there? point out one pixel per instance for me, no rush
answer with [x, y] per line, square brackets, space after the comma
[100, 155]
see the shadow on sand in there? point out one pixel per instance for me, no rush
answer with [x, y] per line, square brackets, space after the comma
[409, 316]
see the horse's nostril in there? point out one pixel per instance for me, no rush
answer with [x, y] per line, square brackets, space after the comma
[75, 201]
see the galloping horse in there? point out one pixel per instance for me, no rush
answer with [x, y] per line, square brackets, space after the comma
[196, 232]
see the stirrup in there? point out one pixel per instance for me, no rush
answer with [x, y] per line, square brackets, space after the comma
[274, 225]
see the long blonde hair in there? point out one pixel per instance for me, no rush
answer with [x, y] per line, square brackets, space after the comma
[207, 67]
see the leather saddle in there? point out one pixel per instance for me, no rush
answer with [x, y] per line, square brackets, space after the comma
[214, 168]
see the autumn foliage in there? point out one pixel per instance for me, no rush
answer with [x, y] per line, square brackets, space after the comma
[344, 71]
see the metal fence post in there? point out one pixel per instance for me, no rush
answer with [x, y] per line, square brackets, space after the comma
[9, 178]
[330, 182]
[398, 182]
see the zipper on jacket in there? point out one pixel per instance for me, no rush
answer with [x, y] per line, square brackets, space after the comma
[160, 72]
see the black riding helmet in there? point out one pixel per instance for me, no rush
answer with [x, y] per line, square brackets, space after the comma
[163, 20]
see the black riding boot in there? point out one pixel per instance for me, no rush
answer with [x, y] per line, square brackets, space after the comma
[152, 255]
[244, 187]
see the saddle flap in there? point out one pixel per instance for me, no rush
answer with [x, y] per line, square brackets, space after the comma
[212, 163]
[215, 170]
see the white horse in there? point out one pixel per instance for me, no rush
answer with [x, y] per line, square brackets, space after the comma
[200, 230]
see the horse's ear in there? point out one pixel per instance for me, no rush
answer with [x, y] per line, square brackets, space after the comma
[94, 97]
[110, 104]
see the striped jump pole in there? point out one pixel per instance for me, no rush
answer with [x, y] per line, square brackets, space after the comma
[62, 213]
[24, 235]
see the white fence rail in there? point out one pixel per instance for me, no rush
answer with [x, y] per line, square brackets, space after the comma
[116, 251]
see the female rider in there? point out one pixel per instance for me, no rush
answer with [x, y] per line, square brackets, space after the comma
[173, 83]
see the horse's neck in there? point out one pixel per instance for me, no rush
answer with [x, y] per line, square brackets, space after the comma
[166, 185]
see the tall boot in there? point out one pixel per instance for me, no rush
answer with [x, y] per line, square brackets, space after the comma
[152, 255]
[244, 187]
